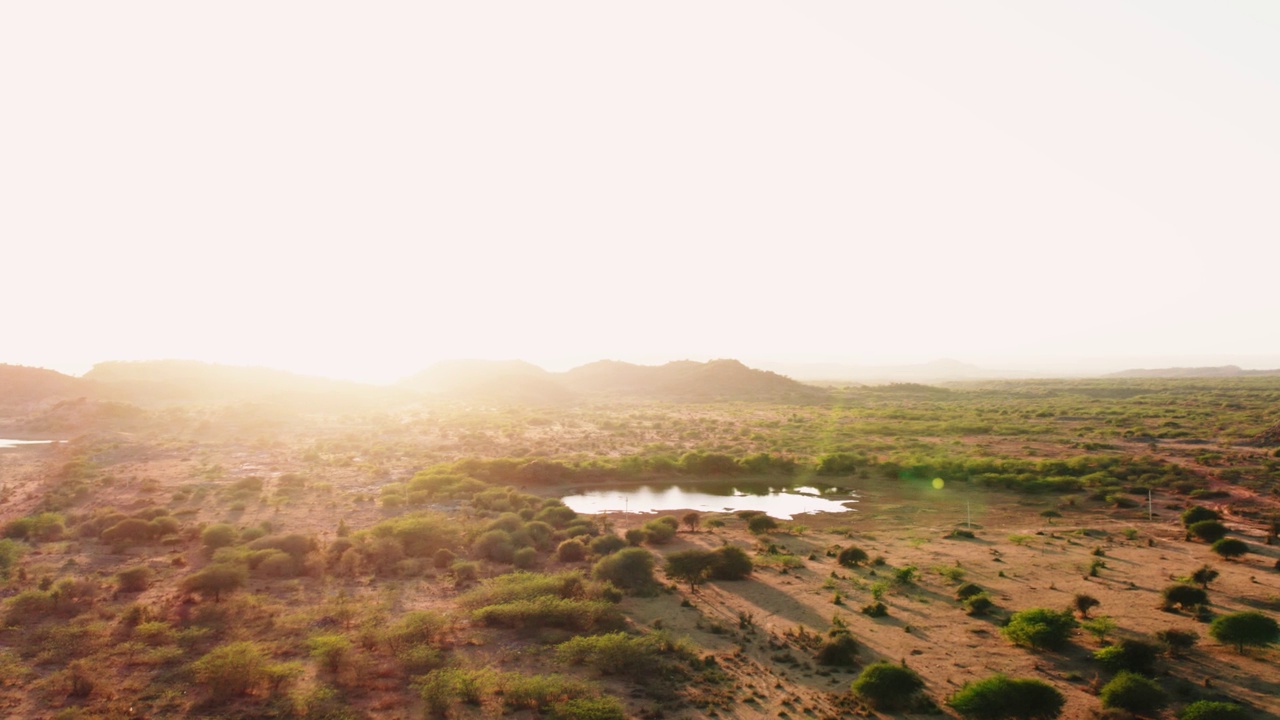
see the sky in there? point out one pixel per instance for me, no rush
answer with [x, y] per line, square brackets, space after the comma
[362, 189]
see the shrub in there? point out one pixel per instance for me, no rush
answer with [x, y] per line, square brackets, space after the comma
[232, 669]
[691, 566]
[658, 532]
[1084, 603]
[1204, 575]
[495, 545]
[218, 535]
[618, 653]
[443, 558]
[1099, 627]
[635, 537]
[1177, 642]
[1039, 628]
[596, 708]
[1213, 710]
[838, 649]
[215, 580]
[544, 612]
[875, 609]
[852, 556]
[1245, 628]
[630, 569]
[1132, 692]
[525, 558]
[968, 590]
[10, 551]
[1184, 596]
[1128, 654]
[128, 531]
[1208, 530]
[1230, 548]
[329, 650]
[439, 688]
[761, 524]
[464, 572]
[134, 579]
[539, 691]
[999, 697]
[1196, 513]
[691, 520]
[607, 544]
[978, 604]
[571, 551]
[730, 563]
[886, 685]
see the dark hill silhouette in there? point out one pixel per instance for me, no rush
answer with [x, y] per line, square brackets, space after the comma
[20, 385]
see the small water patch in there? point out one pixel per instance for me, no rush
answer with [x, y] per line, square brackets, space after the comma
[7, 443]
[779, 502]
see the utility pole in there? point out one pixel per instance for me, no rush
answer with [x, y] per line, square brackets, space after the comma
[1149, 513]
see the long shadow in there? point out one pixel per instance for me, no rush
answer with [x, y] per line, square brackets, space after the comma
[774, 603]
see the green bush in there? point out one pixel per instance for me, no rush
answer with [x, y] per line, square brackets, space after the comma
[1230, 548]
[231, 670]
[630, 569]
[525, 558]
[1245, 628]
[215, 580]
[1003, 698]
[1128, 654]
[330, 650]
[1132, 692]
[572, 551]
[134, 579]
[977, 604]
[607, 544]
[886, 685]
[658, 532]
[1208, 530]
[10, 552]
[968, 590]
[1184, 596]
[540, 691]
[596, 708]
[618, 653]
[217, 536]
[1213, 710]
[761, 524]
[1196, 513]
[1039, 628]
[730, 562]
[544, 612]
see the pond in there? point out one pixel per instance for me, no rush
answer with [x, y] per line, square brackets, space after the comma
[781, 502]
[6, 443]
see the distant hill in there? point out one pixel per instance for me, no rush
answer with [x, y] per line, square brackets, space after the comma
[513, 381]
[20, 385]
[942, 370]
[181, 381]
[688, 380]
[1221, 371]
[518, 381]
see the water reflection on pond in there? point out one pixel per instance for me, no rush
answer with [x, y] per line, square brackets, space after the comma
[6, 443]
[781, 502]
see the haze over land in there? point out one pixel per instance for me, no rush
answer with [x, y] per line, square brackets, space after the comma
[359, 194]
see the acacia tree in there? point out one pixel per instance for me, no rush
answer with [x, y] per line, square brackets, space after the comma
[215, 580]
[691, 566]
[1084, 603]
[691, 520]
[1245, 628]
[1230, 548]
[1000, 697]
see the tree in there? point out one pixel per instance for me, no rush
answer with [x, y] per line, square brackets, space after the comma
[1000, 697]
[1039, 628]
[886, 685]
[1204, 576]
[1208, 530]
[1196, 513]
[852, 556]
[838, 649]
[761, 524]
[659, 532]
[691, 566]
[731, 563]
[215, 580]
[1230, 548]
[1213, 710]
[1245, 628]
[1130, 691]
[691, 520]
[1084, 603]
[1184, 596]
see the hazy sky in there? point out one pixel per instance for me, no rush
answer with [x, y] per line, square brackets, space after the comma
[360, 189]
